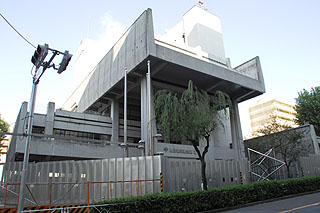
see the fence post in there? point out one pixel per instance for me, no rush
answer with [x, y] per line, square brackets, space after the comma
[140, 188]
[5, 196]
[161, 182]
[110, 184]
[88, 195]
[50, 192]
[19, 197]
[121, 189]
[137, 186]
[241, 178]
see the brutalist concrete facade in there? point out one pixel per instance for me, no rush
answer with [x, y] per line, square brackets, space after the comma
[171, 66]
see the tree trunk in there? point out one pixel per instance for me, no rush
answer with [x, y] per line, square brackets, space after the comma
[288, 171]
[203, 174]
[203, 163]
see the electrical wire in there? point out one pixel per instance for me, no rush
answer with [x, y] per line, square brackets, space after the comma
[17, 31]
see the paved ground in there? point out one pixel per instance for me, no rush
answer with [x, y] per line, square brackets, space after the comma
[307, 204]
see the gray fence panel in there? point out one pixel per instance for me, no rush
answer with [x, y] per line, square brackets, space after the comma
[75, 173]
[149, 174]
[134, 176]
[112, 177]
[105, 177]
[127, 177]
[156, 174]
[119, 172]
[69, 178]
[142, 175]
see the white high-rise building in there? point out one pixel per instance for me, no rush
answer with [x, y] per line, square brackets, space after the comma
[263, 113]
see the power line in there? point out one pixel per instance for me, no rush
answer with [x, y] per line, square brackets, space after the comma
[17, 31]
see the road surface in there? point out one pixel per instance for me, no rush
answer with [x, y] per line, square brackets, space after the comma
[307, 204]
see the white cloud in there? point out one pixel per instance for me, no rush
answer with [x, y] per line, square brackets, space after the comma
[91, 52]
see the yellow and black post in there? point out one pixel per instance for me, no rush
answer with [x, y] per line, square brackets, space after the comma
[161, 182]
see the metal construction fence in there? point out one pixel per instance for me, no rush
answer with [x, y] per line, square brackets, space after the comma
[184, 174]
[306, 166]
[82, 182]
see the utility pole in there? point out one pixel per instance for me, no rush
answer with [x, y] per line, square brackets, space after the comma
[125, 114]
[149, 94]
[38, 60]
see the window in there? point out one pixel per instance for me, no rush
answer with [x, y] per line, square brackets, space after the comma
[38, 129]
[83, 135]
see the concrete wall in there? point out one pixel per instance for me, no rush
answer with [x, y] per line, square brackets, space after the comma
[130, 50]
[52, 145]
[309, 138]
[200, 30]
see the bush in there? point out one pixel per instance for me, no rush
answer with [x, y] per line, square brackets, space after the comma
[213, 198]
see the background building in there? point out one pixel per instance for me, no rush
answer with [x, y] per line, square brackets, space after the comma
[263, 113]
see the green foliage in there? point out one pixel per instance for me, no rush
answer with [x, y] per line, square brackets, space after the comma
[285, 142]
[308, 108]
[211, 199]
[4, 127]
[191, 116]
[271, 127]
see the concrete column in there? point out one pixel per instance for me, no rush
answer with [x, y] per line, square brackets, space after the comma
[237, 140]
[236, 132]
[19, 128]
[144, 113]
[22, 119]
[115, 120]
[48, 129]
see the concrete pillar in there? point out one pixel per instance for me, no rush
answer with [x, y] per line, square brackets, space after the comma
[19, 128]
[237, 140]
[48, 129]
[115, 120]
[144, 113]
[22, 119]
[236, 132]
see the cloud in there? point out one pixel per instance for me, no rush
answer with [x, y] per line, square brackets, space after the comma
[91, 51]
[112, 30]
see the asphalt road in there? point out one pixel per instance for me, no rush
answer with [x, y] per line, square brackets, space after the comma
[307, 204]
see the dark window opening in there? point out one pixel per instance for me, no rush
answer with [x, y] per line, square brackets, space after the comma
[83, 135]
[37, 129]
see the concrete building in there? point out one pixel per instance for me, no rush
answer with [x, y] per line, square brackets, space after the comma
[3, 153]
[104, 112]
[263, 113]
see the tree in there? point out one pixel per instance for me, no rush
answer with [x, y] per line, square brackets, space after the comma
[4, 127]
[192, 116]
[308, 108]
[284, 141]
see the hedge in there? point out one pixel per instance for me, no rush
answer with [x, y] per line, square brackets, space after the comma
[211, 199]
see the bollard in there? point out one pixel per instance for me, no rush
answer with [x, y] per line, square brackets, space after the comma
[161, 182]
[241, 178]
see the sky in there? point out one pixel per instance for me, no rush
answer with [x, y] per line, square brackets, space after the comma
[285, 34]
